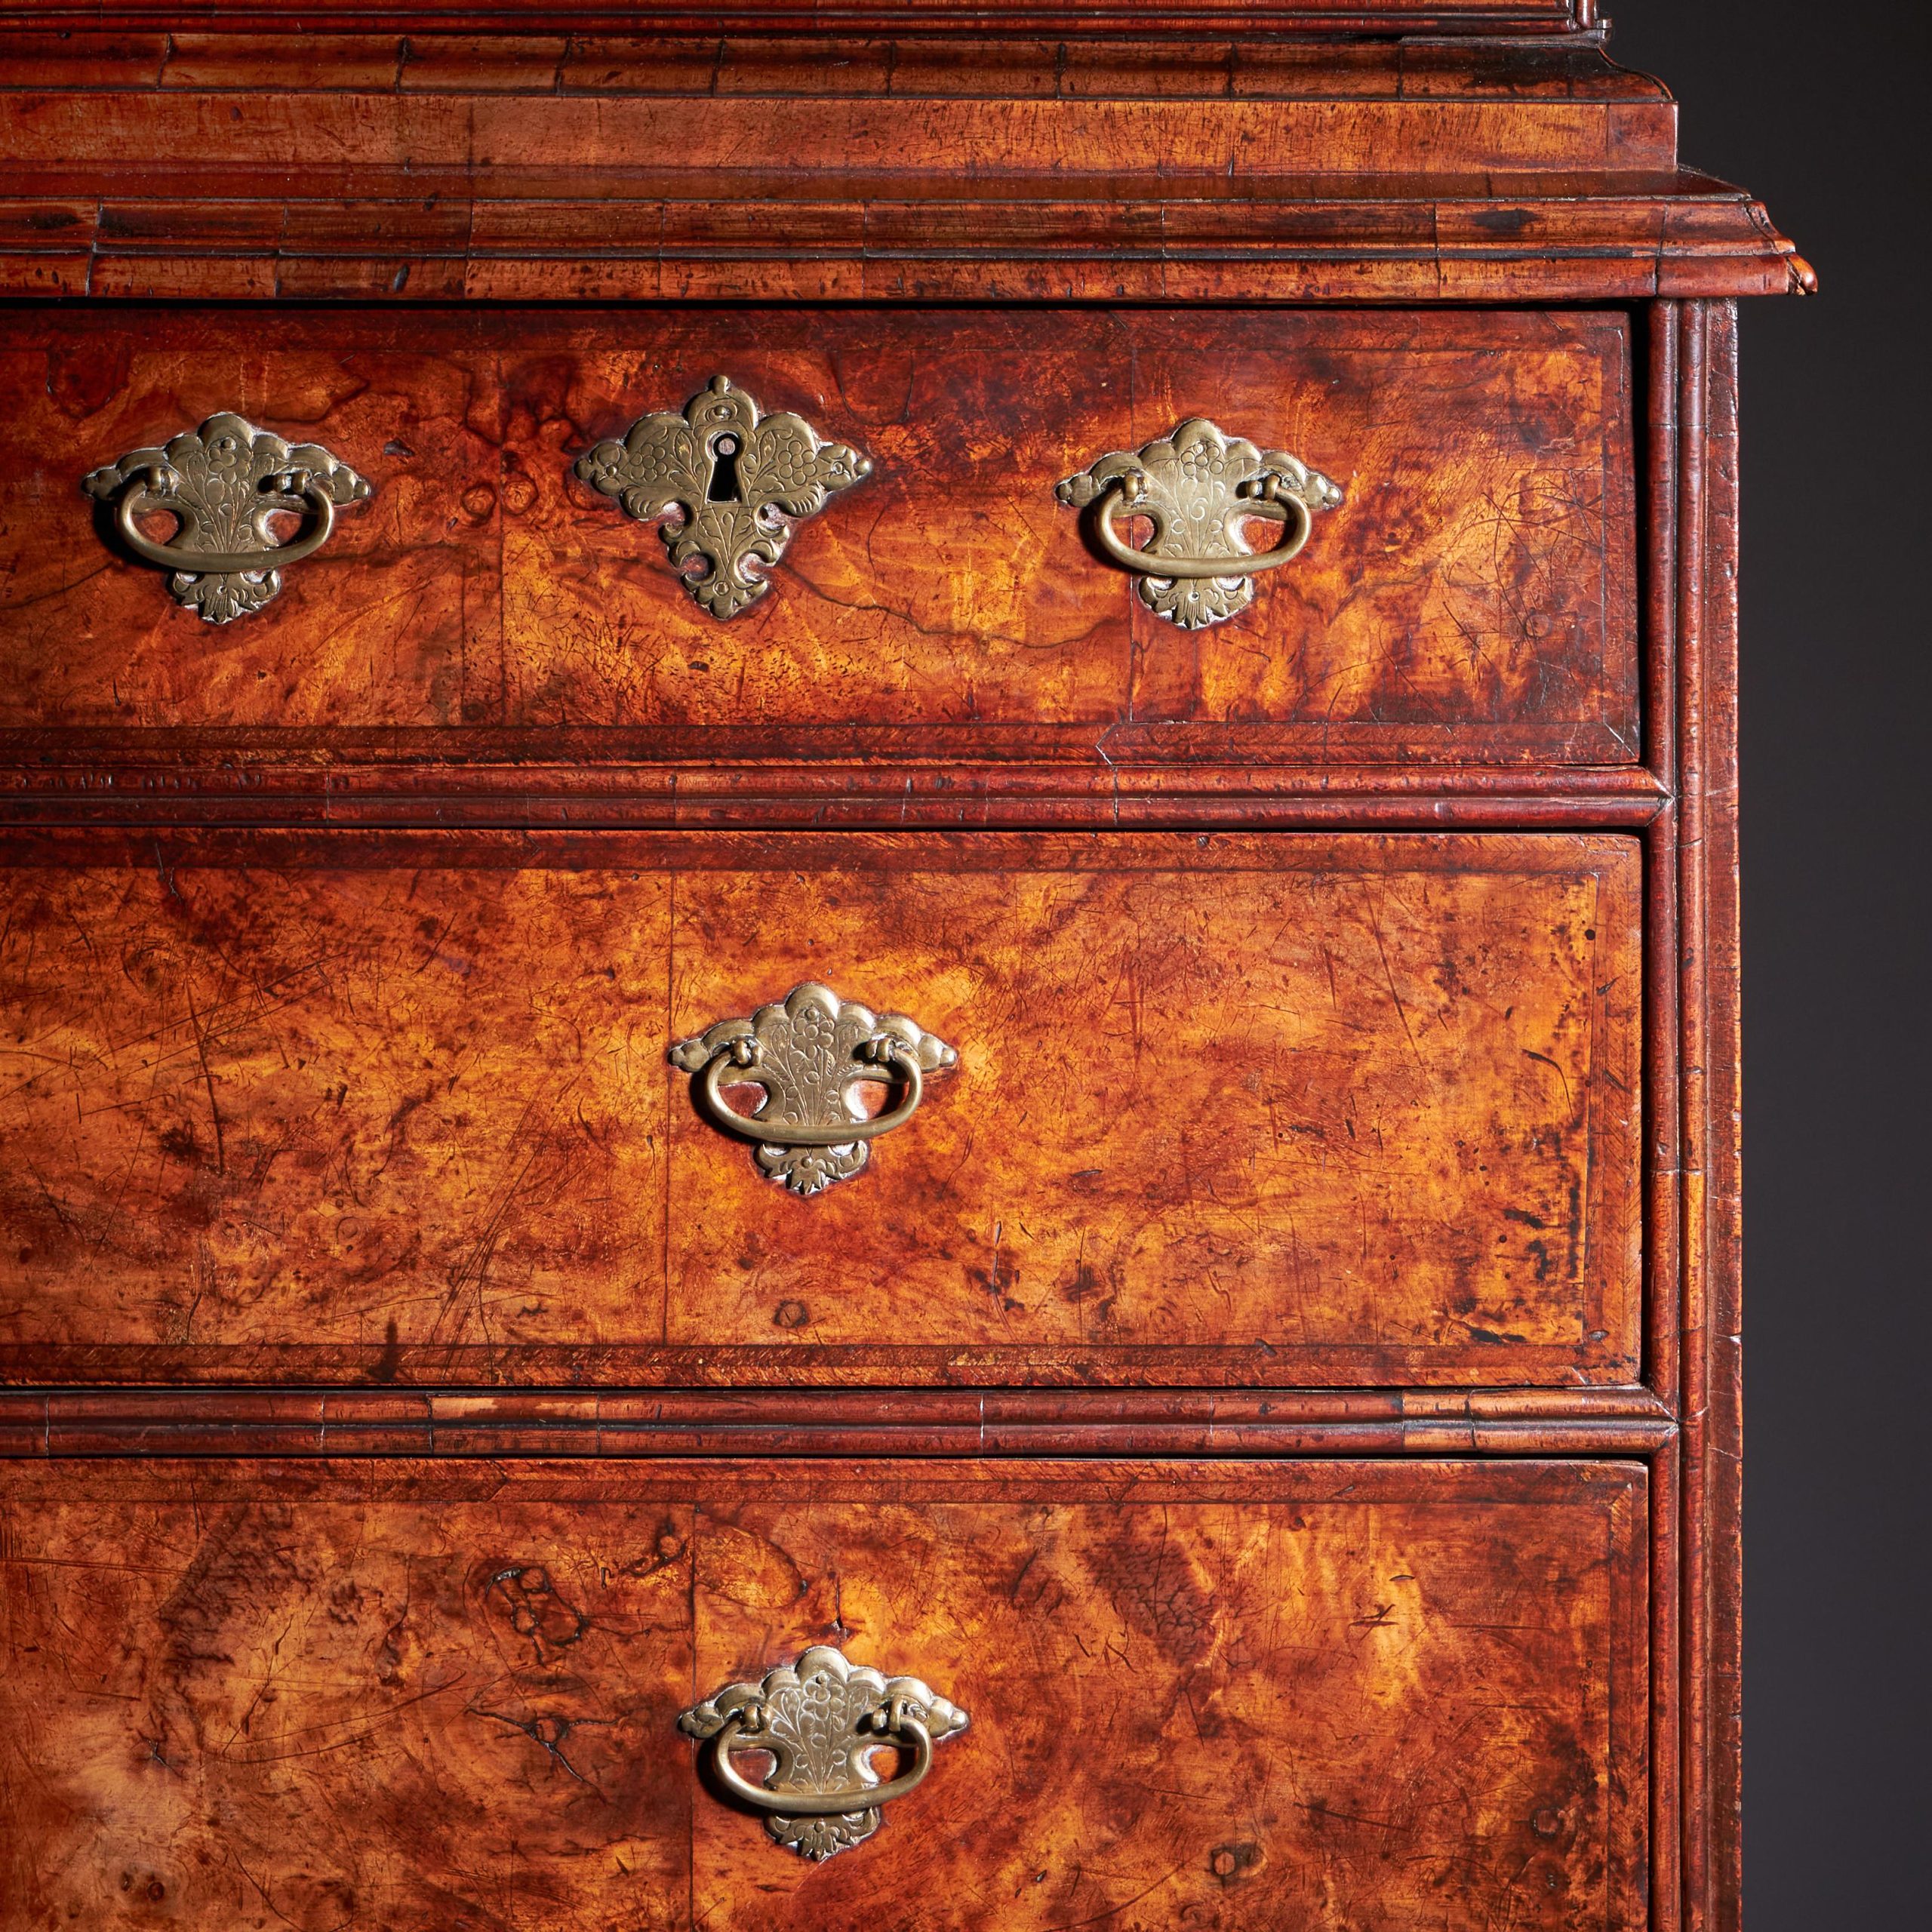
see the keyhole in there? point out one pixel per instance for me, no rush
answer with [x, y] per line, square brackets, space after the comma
[723, 487]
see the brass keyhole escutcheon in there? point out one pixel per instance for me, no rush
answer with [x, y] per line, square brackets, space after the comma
[729, 485]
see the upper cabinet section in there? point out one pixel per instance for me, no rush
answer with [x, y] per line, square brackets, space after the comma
[433, 18]
[728, 158]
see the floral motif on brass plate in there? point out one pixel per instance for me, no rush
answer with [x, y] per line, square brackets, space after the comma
[1197, 486]
[222, 483]
[808, 1052]
[819, 1721]
[740, 481]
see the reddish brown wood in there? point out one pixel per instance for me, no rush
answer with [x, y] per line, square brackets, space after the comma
[484, 650]
[1108, 137]
[1667, 1827]
[381, 238]
[1693, 1100]
[1710, 1313]
[427, 168]
[305, 1690]
[1694, 1269]
[1472, 601]
[491, 37]
[1663, 966]
[250, 49]
[1121, 778]
[924, 1421]
[1229, 1109]
[435, 28]
[498, 102]
[1724, 935]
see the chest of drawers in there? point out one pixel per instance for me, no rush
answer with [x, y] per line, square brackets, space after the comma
[868, 985]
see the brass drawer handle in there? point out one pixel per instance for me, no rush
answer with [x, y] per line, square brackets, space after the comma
[753, 1723]
[222, 482]
[1266, 497]
[819, 1720]
[1197, 486]
[158, 487]
[744, 1056]
[807, 1053]
[740, 481]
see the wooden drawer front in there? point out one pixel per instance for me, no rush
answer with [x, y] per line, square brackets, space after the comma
[1289, 1109]
[1472, 599]
[1375, 1697]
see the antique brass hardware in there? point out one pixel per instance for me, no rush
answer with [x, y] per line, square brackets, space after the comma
[819, 1720]
[808, 1052]
[222, 482]
[1197, 486]
[740, 480]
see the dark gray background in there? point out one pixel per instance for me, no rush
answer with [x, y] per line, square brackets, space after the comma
[1822, 112]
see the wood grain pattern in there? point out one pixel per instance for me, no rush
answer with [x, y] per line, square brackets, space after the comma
[420, 167]
[548, 25]
[1352, 1695]
[1473, 600]
[830, 54]
[1110, 778]
[739, 1422]
[475, 130]
[409, 238]
[1367, 1697]
[1230, 1109]
[1709, 1309]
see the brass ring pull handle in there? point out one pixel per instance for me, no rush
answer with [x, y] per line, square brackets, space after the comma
[906, 1729]
[1128, 493]
[1197, 486]
[808, 1052]
[819, 1720]
[741, 1062]
[156, 490]
[222, 483]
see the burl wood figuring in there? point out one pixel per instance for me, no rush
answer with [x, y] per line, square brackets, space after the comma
[1472, 600]
[400, 1105]
[742, 1186]
[267, 1691]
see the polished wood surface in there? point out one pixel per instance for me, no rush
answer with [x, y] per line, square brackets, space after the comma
[415, 1403]
[428, 168]
[1472, 600]
[1625, 1420]
[1228, 1108]
[472, 43]
[1351, 1694]
[409, 236]
[1123, 109]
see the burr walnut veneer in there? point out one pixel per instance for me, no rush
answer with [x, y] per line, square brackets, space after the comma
[1473, 601]
[868, 1022]
[419, 1122]
[348, 1660]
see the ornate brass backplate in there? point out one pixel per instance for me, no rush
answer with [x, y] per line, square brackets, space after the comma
[819, 1720]
[222, 482]
[740, 480]
[1197, 486]
[808, 1052]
